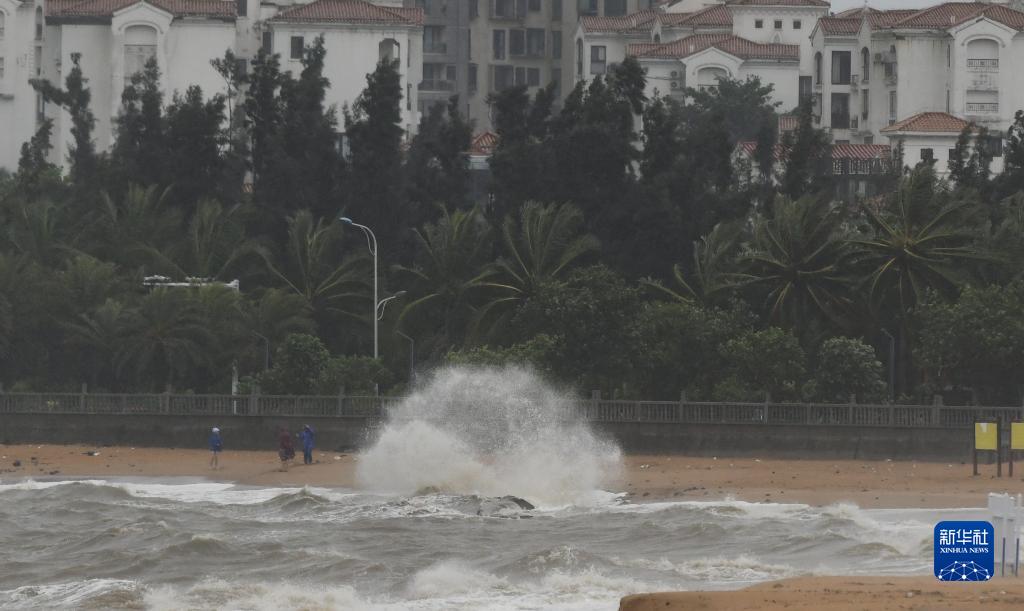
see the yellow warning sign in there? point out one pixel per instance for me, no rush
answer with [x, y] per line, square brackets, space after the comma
[1017, 435]
[985, 435]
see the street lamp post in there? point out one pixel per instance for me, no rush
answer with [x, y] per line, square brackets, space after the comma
[371, 242]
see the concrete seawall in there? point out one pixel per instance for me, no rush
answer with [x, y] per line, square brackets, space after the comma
[352, 433]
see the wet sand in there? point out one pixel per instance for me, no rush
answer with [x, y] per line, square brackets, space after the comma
[844, 594]
[644, 478]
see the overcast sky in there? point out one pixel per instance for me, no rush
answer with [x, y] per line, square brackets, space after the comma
[842, 5]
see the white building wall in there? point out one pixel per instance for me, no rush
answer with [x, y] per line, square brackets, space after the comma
[17, 98]
[95, 44]
[352, 53]
[189, 48]
[922, 75]
[785, 79]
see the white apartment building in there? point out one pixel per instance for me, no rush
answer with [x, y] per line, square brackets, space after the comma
[115, 38]
[919, 76]
[696, 42]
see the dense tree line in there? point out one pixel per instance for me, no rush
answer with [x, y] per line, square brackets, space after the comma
[621, 248]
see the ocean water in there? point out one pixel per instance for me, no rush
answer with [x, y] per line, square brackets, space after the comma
[133, 544]
[427, 527]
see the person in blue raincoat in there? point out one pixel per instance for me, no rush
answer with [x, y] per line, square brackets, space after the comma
[307, 444]
[216, 445]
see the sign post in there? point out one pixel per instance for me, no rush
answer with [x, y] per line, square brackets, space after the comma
[986, 439]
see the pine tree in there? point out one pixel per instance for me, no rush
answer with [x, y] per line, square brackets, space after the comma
[74, 98]
[959, 171]
[437, 166]
[806, 151]
[195, 164]
[375, 190]
[139, 147]
[33, 164]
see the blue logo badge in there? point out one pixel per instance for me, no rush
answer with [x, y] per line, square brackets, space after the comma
[964, 551]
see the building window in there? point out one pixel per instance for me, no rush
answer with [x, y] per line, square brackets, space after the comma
[556, 44]
[840, 111]
[588, 7]
[556, 79]
[520, 75]
[499, 44]
[503, 8]
[840, 67]
[556, 10]
[533, 77]
[778, 24]
[759, 23]
[948, 107]
[474, 8]
[598, 59]
[817, 68]
[864, 101]
[805, 89]
[892, 107]
[927, 155]
[994, 146]
[425, 5]
[535, 42]
[433, 39]
[39, 23]
[534, 5]
[471, 80]
[865, 64]
[298, 46]
[579, 58]
[614, 8]
[268, 43]
[139, 48]
[408, 96]
[243, 8]
[3, 20]
[517, 43]
[797, 24]
[504, 77]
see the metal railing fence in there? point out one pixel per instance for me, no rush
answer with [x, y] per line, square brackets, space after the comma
[594, 409]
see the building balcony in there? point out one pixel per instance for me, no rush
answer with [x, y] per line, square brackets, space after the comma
[436, 49]
[436, 85]
[983, 65]
[982, 108]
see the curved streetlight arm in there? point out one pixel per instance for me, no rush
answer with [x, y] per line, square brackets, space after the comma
[371, 238]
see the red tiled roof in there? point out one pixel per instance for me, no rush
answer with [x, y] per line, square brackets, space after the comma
[350, 11]
[712, 16]
[938, 122]
[483, 143]
[639, 21]
[788, 123]
[952, 14]
[839, 151]
[733, 45]
[106, 8]
[861, 151]
[885, 19]
[840, 25]
[821, 3]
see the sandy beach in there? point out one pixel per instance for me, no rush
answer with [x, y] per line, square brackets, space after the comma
[869, 484]
[843, 594]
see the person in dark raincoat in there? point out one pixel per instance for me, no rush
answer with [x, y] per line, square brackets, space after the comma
[216, 445]
[307, 444]
[285, 449]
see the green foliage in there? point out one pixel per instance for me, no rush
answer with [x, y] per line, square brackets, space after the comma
[299, 364]
[975, 342]
[355, 375]
[74, 98]
[437, 165]
[848, 368]
[806, 157]
[770, 360]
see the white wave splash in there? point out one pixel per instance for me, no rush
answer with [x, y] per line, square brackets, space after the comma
[490, 432]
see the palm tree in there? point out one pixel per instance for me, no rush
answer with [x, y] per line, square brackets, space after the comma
[135, 227]
[800, 258]
[166, 338]
[451, 269]
[714, 269]
[271, 318]
[314, 269]
[215, 243]
[99, 335]
[919, 243]
[545, 242]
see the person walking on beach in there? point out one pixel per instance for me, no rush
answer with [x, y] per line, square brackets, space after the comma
[307, 445]
[216, 445]
[285, 449]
